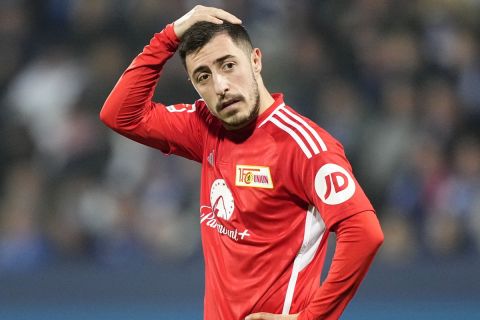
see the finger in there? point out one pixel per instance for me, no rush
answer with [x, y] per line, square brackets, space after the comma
[260, 316]
[212, 19]
[226, 16]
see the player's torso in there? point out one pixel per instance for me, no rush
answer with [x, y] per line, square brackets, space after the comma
[252, 226]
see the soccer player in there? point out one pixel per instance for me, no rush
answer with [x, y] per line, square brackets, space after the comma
[274, 184]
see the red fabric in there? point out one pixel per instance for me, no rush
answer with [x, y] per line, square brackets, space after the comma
[130, 111]
[270, 194]
[358, 239]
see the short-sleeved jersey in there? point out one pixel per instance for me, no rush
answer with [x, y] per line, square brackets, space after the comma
[270, 192]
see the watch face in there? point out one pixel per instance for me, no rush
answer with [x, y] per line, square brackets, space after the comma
[221, 199]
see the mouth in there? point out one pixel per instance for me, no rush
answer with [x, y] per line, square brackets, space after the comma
[224, 105]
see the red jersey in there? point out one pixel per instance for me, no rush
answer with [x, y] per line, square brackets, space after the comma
[270, 192]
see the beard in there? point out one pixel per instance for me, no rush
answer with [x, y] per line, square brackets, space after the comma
[237, 119]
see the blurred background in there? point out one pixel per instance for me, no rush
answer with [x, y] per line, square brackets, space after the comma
[93, 226]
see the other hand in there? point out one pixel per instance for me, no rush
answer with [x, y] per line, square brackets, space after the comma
[271, 316]
[201, 13]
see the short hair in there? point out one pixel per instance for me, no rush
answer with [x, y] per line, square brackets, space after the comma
[199, 34]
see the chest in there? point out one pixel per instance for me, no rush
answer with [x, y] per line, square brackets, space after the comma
[243, 162]
[242, 180]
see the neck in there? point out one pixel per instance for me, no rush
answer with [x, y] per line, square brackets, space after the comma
[266, 99]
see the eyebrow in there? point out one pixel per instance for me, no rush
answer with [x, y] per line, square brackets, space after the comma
[217, 61]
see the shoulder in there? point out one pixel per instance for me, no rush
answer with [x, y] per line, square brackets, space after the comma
[198, 109]
[298, 134]
[203, 112]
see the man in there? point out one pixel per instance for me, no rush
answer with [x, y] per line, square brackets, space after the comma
[273, 184]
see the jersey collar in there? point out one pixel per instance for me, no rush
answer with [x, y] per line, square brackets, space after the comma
[278, 100]
[246, 131]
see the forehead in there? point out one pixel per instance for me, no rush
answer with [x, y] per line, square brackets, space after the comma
[219, 46]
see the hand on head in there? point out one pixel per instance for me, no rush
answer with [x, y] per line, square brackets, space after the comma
[201, 13]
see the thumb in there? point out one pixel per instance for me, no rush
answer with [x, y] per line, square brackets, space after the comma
[260, 316]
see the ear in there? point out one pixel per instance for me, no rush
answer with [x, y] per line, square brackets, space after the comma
[256, 60]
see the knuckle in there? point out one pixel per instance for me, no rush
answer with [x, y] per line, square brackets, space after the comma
[197, 8]
[205, 17]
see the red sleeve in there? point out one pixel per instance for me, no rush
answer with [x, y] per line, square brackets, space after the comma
[326, 180]
[358, 239]
[129, 109]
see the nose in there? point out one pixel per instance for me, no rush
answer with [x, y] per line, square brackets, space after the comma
[221, 84]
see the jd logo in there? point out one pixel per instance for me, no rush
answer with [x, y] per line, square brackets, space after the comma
[334, 184]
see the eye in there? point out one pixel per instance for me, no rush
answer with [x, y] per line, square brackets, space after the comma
[228, 66]
[202, 77]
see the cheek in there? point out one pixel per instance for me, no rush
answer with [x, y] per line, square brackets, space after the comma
[204, 93]
[243, 82]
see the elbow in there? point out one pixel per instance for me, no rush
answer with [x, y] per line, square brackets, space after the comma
[378, 239]
[375, 235]
[106, 117]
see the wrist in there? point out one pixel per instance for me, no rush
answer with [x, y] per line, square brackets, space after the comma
[167, 37]
[170, 33]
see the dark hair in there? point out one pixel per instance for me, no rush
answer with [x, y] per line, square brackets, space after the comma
[198, 35]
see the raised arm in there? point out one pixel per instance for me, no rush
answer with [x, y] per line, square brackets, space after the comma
[129, 108]
[130, 100]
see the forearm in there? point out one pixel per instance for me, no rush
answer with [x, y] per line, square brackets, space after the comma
[130, 99]
[358, 239]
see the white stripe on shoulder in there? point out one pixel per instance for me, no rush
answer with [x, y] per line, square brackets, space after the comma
[297, 126]
[294, 135]
[271, 114]
[322, 144]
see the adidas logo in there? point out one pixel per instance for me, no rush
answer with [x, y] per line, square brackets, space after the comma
[210, 158]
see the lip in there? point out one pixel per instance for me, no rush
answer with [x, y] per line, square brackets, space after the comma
[228, 104]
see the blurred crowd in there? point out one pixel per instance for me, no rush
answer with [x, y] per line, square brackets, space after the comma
[397, 82]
